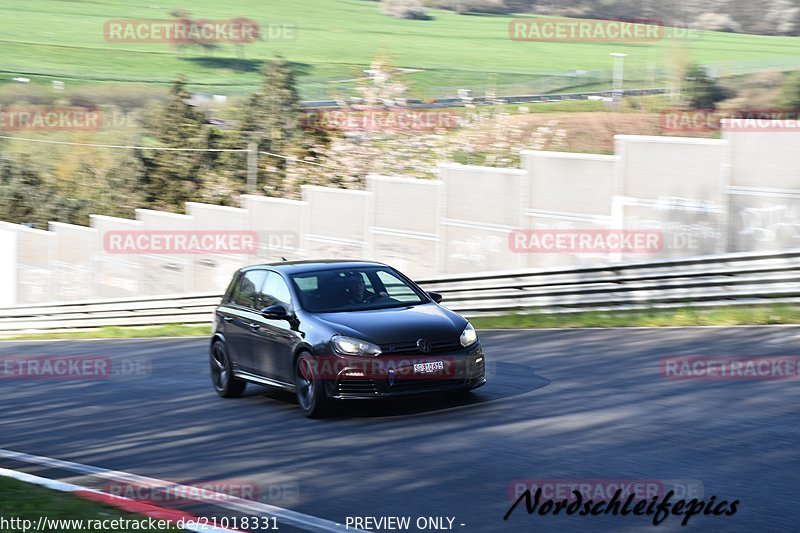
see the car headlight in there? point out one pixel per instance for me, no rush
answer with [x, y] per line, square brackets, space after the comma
[350, 346]
[468, 336]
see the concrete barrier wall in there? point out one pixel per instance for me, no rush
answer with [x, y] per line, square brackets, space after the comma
[764, 160]
[764, 193]
[279, 225]
[675, 185]
[74, 264]
[166, 273]
[336, 222]
[741, 193]
[34, 253]
[213, 271]
[545, 222]
[671, 167]
[763, 220]
[117, 274]
[482, 205]
[568, 191]
[559, 182]
[405, 224]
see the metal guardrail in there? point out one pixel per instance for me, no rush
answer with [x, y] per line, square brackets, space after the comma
[483, 100]
[730, 279]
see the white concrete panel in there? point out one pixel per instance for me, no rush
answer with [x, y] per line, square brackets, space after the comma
[475, 249]
[414, 256]
[570, 183]
[542, 222]
[118, 274]
[765, 159]
[688, 231]
[166, 273]
[76, 249]
[35, 254]
[764, 221]
[405, 204]
[8, 267]
[337, 214]
[322, 248]
[217, 217]
[659, 168]
[484, 195]
[279, 224]
[213, 271]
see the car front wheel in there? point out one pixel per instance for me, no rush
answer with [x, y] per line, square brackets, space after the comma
[309, 387]
[222, 377]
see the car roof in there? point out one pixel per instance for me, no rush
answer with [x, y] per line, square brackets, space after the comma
[311, 265]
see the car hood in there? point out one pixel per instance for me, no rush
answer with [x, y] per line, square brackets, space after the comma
[397, 324]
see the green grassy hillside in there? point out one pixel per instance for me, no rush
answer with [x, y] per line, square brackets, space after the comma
[335, 39]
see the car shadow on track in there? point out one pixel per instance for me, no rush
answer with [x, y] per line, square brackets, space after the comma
[504, 380]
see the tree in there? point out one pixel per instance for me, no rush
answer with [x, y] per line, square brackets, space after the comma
[273, 121]
[702, 90]
[790, 92]
[175, 177]
[404, 9]
[194, 35]
[22, 192]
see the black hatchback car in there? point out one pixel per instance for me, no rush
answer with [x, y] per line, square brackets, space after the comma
[337, 330]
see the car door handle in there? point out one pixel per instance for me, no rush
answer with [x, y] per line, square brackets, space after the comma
[227, 318]
[254, 326]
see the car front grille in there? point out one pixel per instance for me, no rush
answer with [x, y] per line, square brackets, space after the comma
[403, 385]
[358, 386]
[478, 370]
[449, 344]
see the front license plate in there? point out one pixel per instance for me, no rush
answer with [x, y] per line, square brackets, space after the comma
[428, 368]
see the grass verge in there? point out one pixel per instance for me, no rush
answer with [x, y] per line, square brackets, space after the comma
[120, 332]
[715, 316]
[20, 502]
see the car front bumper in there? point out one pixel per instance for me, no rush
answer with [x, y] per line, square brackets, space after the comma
[463, 370]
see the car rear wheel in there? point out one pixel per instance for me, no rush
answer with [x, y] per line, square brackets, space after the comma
[222, 377]
[309, 387]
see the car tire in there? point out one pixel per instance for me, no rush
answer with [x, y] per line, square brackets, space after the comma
[222, 376]
[310, 387]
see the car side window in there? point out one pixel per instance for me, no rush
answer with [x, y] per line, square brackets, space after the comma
[276, 291]
[396, 288]
[246, 293]
[230, 292]
[367, 282]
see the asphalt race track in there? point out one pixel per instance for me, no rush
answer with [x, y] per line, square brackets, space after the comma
[560, 405]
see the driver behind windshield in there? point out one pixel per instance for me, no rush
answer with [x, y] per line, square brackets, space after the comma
[357, 292]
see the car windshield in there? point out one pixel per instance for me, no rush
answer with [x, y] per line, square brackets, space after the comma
[354, 289]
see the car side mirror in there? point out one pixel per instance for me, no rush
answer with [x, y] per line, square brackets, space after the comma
[435, 296]
[276, 311]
